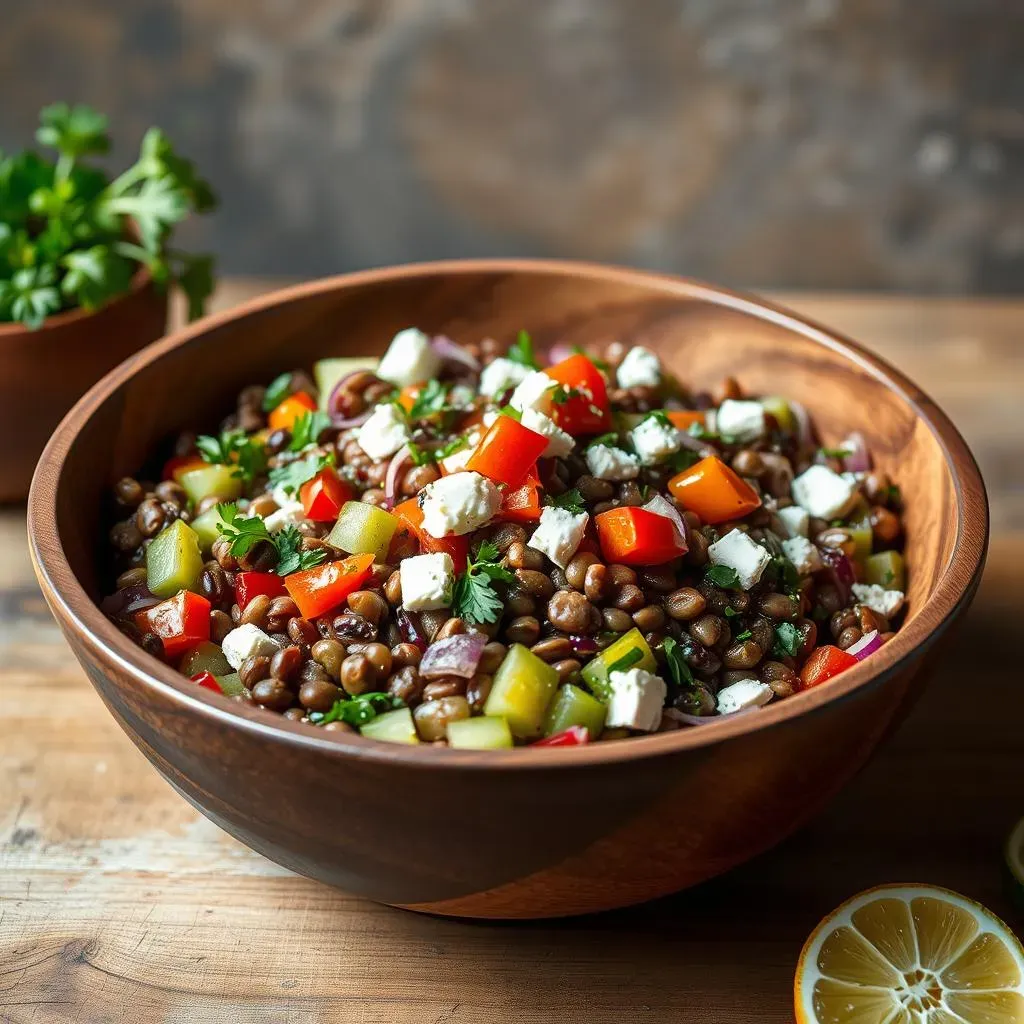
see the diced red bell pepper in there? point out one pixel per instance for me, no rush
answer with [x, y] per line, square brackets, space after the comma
[181, 622]
[208, 681]
[574, 736]
[586, 412]
[507, 452]
[637, 536]
[324, 587]
[714, 491]
[523, 504]
[823, 664]
[178, 464]
[685, 418]
[252, 584]
[410, 515]
[323, 496]
[294, 406]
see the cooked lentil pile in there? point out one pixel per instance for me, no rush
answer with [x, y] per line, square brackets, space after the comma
[452, 545]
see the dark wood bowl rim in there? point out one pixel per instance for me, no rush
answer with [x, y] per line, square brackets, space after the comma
[80, 617]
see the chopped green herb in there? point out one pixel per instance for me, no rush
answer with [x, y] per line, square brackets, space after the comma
[474, 598]
[699, 431]
[449, 449]
[420, 456]
[521, 351]
[660, 416]
[291, 476]
[723, 576]
[561, 394]
[244, 532]
[234, 448]
[291, 557]
[745, 635]
[307, 428]
[610, 440]
[677, 666]
[787, 573]
[571, 501]
[731, 613]
[682, 459]
[277, 391]
[359, 710]
[833, 453]
[512, 412]
[788, 641]
[631, 657]
[431, 400]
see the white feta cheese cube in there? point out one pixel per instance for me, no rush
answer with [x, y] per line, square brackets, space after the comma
[795, 519]
[560, 443]
[608, 463]
[500, 375]
[534, 392]
[824, 494]
[458, 504]
[383, 433]
[456, 462]
[740, 421]
[244, 641]
[639, 368]
[289, 513]
[427, 581]
[745, 557]
[637, 699]
[654, 440]
[410, 359]
[559, 534]
[878, 599]
[803, 554]
[747, 693]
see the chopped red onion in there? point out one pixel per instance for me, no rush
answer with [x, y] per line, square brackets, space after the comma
[457, 655]
[840, 568]
[661, 506]
[410, 628]
[452, 352]
[583, 644]
[343, 423]
[395, 467]
[128, 600]
[337, 419]
[867, 644]
[804, 427]
[859, 459]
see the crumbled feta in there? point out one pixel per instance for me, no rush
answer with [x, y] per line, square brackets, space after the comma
[878, 599]
[410, 359]
[823, 493]
[456, 462]
[560, 443]
[636, 701]
[746, 693]
[742, 422]
[500, 375]
[803, 554]
[458, 504]
[244, 641]
[661, 506]
[427, 581]
[608, 463]
[745, 557]
[795, 519]
[534, 392]
[654, 440]
[289, 513]
[559, 534]
[383, 433]
[640, 368]
[854, 479]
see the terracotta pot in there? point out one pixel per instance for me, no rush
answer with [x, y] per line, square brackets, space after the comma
[526, 832]
[44, 372]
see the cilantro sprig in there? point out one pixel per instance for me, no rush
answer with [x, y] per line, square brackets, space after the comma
[358, 710]
[292, 475]
[474, 597]
[431, 400]
[723, 576]
[677, 665]
[788, 640]
[245, 532]
[307, 428]
[571, 501]
[234, 448]
[521, 351]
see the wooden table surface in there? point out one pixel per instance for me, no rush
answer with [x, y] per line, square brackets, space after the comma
[119, 902]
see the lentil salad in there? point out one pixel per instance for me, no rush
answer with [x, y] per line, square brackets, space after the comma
[457, 545]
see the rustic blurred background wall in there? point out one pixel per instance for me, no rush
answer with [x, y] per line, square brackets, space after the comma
[819, 143]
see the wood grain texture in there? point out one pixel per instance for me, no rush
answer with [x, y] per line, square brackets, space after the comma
[120, 902]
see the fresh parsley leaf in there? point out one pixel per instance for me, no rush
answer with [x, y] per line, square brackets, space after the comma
[723, 576]
[237, 449]
[521, 351]
[474, 598]
[195, 278]
[561, 394]
[887, 577]
[610, 440]
[243, 532]
[73, 131]
[359, 710]
[745, 635]
[291, 557]
[682, 459]
[631, 657]
[453, 446]
[30, 296]
[511, 412]
[291, 476]
[94, 276]
[788, 574]
[788, 640]
[430, 401]
[420, 456]
[277, 391]
[571, 501]
[731, 613]
[660, 416]
[677, 666]
[155, 208]
[307, 428]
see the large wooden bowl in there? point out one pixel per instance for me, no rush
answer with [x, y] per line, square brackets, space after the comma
[519, 833]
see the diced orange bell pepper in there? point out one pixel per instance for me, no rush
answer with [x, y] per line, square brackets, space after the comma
[712, 490]
[586, 412]
[323, 496]
[181, 622]
[823, 664]
[294, 406]
[523, 504]
[324, 587]
[410, 515]
[507, 452]
[685, 418]
[178, 464]
[637, 536]
[407, 396]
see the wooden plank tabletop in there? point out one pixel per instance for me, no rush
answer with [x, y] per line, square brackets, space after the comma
[119, 902]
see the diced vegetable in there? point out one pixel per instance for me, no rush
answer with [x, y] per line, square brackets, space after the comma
[714, 491]
[181, 622]
[211, 480]
[363, 529]
[392, 727]
[507, 452]
[685, 418]
[207, 681]
[484, 733]
[324, 587]
[410, 516]
[205, 527]
[294, 406]
[523, 688]
[178, 464]
[324, 496]
[575, 707]
[779, 408]
[205, 657]
[523, 504]
[327, 373]
[253, 584]
[586, 409]
[231, 684]
[823, 664]
[173, 560]
[860, 531]
[886, 569]
[574, 736]
[637, 536]
[629, 651]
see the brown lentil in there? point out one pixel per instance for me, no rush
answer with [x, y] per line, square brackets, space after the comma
[272, 694]
[432, 717]
[569, 611]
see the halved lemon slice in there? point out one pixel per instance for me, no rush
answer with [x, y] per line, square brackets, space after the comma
[910, 954]
[1015, 863]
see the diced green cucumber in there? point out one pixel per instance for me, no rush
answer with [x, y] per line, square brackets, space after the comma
[860, 531]
[523, 688]
[363, 529]
[327, 372]
[205, 527]
[779, 408]
[230, 684]
[573, 706]
[484, 733]
[173, 560]
[392, 727]
[215, 480]
[205, 657]
[595, 672]
[886, 569]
